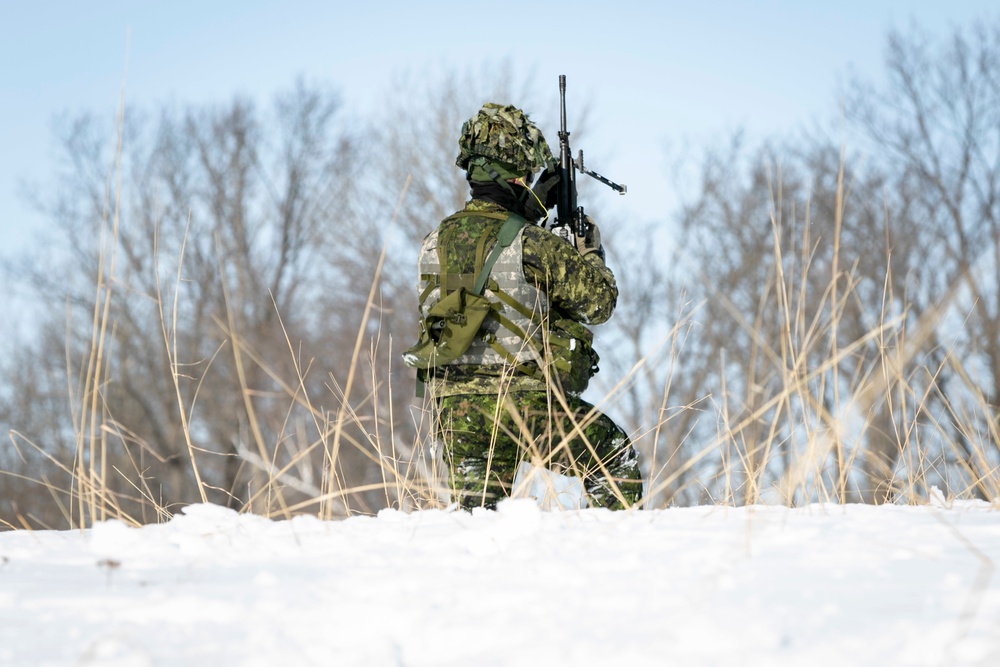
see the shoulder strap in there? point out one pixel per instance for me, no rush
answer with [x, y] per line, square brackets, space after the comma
[508, 232]
[444, 240]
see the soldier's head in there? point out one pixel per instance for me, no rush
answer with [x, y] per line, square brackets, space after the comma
[500, 143]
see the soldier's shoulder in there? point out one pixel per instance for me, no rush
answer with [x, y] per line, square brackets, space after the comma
[481, 206]
[477, 212]
[544, 241]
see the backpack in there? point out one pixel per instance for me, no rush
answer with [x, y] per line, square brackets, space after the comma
[451, 324]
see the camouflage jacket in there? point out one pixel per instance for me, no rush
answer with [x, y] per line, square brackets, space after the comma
[578, 288]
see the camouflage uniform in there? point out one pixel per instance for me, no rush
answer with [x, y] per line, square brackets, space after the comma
[513, 395]
[491, 417]
[485, 442]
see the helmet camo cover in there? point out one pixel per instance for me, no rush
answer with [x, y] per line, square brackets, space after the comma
[504, 134]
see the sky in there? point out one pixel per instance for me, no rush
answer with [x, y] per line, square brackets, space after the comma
[659, 75]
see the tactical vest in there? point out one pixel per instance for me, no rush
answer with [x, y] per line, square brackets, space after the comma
[513, 333]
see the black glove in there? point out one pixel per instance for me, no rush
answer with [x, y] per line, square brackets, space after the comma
[542, 196]
[545, 189]
[591, 239]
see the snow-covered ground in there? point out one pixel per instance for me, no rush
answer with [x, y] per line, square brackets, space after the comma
[823, 585]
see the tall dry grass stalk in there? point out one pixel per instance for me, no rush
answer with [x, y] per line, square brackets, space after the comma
[802, 438]
[90, 469]
[844, 420]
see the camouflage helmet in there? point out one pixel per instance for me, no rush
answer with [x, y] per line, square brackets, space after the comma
[501, 136]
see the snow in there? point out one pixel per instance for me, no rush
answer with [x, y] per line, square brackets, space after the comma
[819, 585]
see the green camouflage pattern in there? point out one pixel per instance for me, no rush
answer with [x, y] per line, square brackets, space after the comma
[483, 444]
[503, 134]
[463, 234]
[517, 332]
[485, 438]
[579, 289]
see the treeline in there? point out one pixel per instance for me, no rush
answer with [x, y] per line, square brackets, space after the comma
[222, 314]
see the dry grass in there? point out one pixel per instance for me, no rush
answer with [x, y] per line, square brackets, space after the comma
[800, 439]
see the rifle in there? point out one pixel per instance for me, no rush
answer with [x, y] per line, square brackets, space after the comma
[568, 213]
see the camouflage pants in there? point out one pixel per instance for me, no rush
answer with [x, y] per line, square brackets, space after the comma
[483, 452]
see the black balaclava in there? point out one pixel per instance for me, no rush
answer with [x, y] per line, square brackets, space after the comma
[513, 197]
[492, 191]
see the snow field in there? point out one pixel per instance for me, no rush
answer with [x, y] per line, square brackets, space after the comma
[820, 585]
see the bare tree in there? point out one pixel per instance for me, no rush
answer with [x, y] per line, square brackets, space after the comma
[936, 125]
[821, 352]
[200, 261]
[839, 304]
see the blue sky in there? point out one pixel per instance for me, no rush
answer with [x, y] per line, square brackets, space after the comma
[658, 74]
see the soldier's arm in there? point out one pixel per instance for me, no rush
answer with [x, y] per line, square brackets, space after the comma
[581, 287]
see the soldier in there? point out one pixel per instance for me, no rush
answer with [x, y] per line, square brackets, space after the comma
[508, 391]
